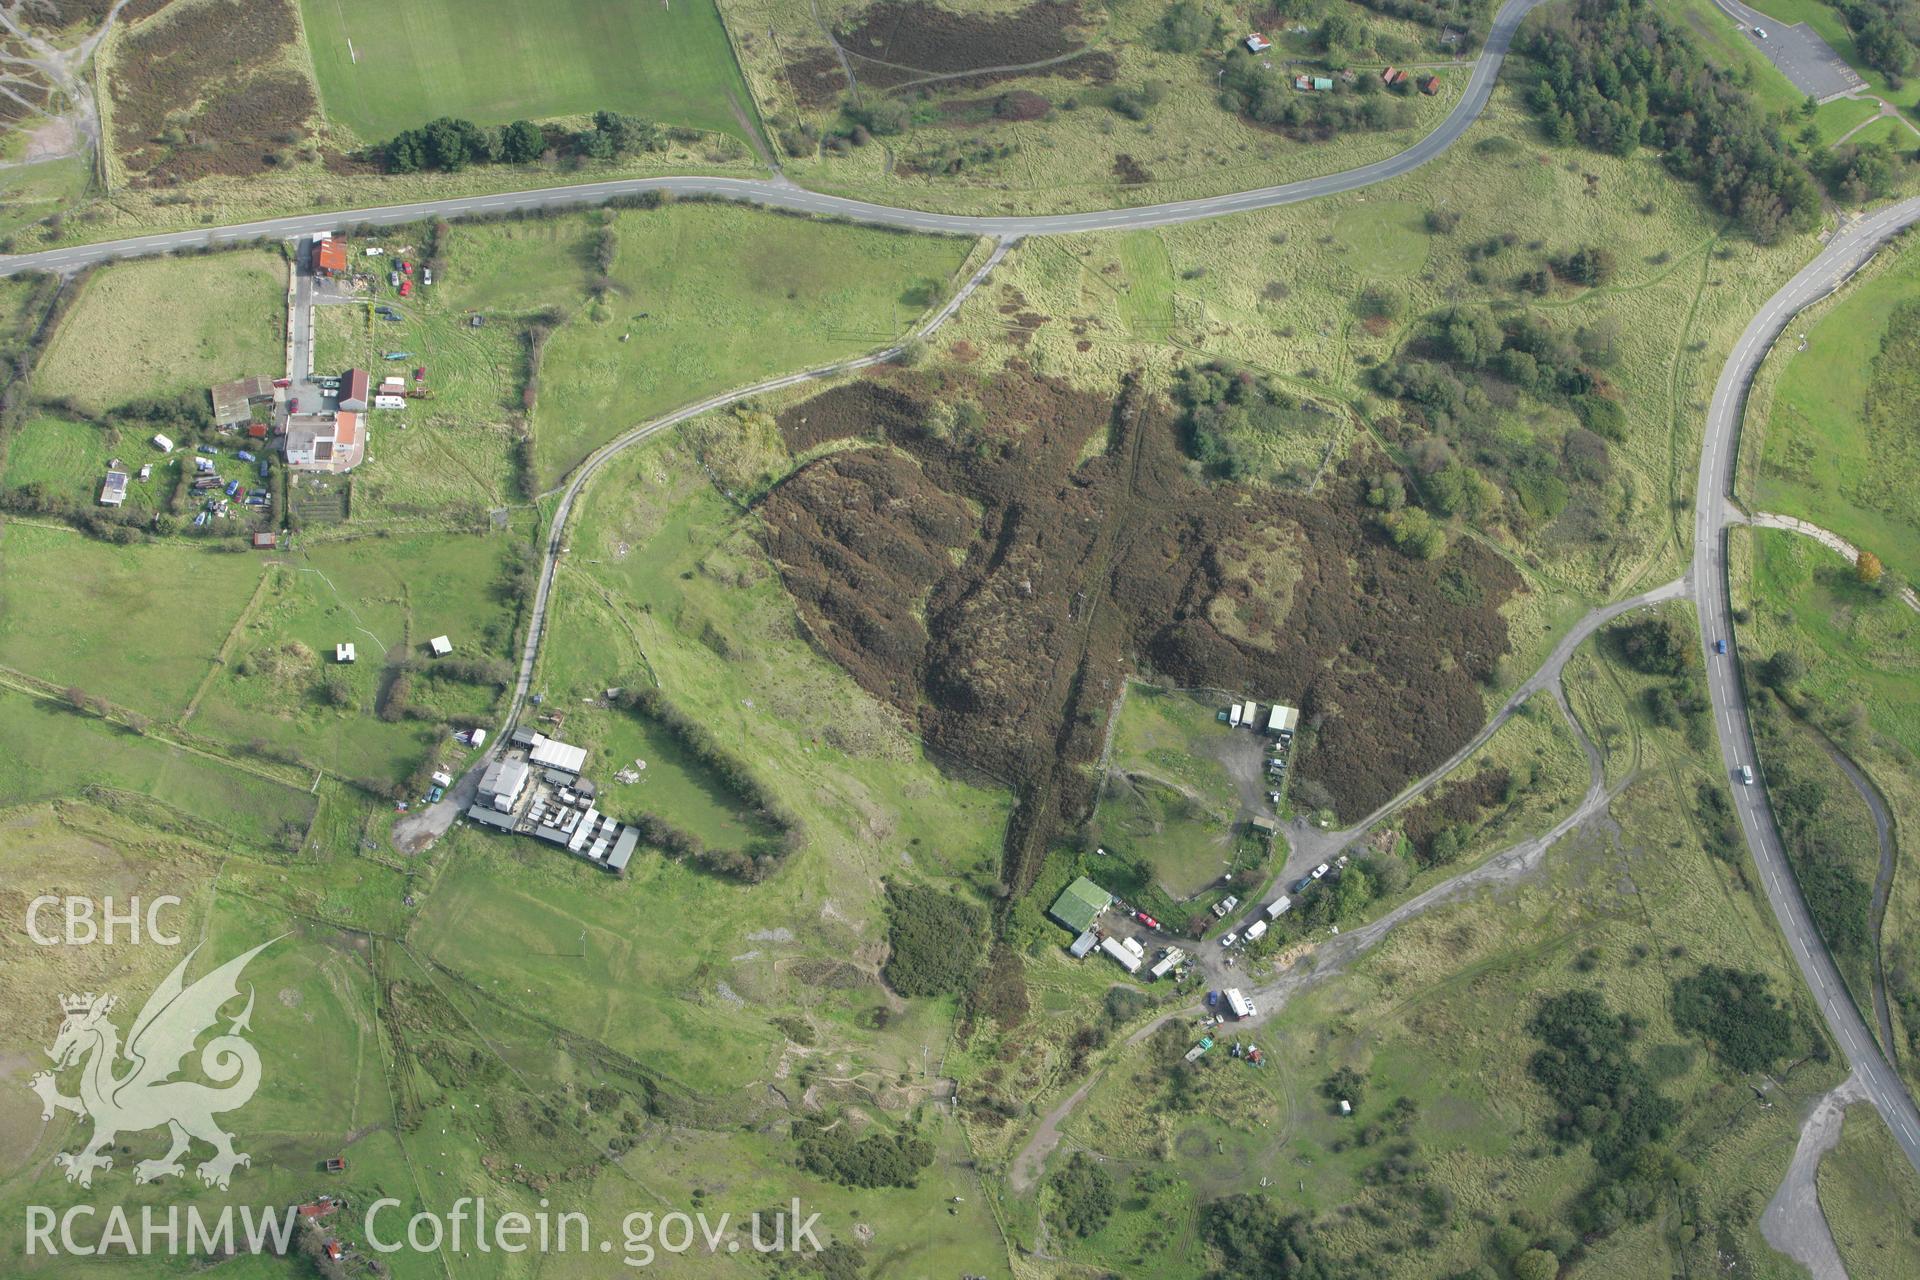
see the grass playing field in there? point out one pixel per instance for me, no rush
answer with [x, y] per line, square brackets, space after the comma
[498, 60]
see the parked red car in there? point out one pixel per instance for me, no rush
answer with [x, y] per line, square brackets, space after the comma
[406, 268]
[1146, 920]
[406, 288]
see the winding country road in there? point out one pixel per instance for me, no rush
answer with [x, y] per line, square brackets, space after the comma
[779, 193]
[1844, 254]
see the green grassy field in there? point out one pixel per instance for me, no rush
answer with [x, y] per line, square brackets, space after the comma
[70, 458]
[387, 596]
[493, 61]
[708, 297]
[1871, 1200]
[164, 325]
[446, 459]
[1169, 800]
[31, 192]
[1822, 454]
[186, 599]
[52, 752]
[322, 1092]
[678, 968]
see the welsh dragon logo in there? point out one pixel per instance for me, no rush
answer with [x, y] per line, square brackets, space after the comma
[133, 1090]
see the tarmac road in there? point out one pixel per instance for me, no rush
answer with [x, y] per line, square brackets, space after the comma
[1844, 254]
[781, 194]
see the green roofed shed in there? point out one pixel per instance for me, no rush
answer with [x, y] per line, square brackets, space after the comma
[1080, 904]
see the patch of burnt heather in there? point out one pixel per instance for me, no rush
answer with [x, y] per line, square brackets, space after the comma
[895, 43]
[999, 554]
[932, 40]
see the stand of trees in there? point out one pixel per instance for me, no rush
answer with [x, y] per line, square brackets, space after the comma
[877, 1160]
[451, 144]
[1228, 410]
[1187, 27]
[1736, 1013]
[1250, 89]
[1257, 1238]
[1463, 465]
[1607, 1099]
[1885, 33]
[1621, 74]
[932, 940]
[1083, 1196]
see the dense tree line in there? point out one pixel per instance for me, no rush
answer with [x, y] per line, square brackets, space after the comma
[1621, 74]
[451, 144]
[1736, 1013]
[933, 940]
[877, 1160]
[1838, 896]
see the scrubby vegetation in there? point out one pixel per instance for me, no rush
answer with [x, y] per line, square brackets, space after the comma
[1253, 89]
[1604, 1097]
[933, 941]
[952, 572]
[1464, 463]
[1231, 415]
[1083, 1195]
[831, 1150]
[1255, 1237]
[205, 90]
[1736, 1013]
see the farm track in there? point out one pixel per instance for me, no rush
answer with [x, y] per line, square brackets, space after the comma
[1882, 880]
[1845, 253]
